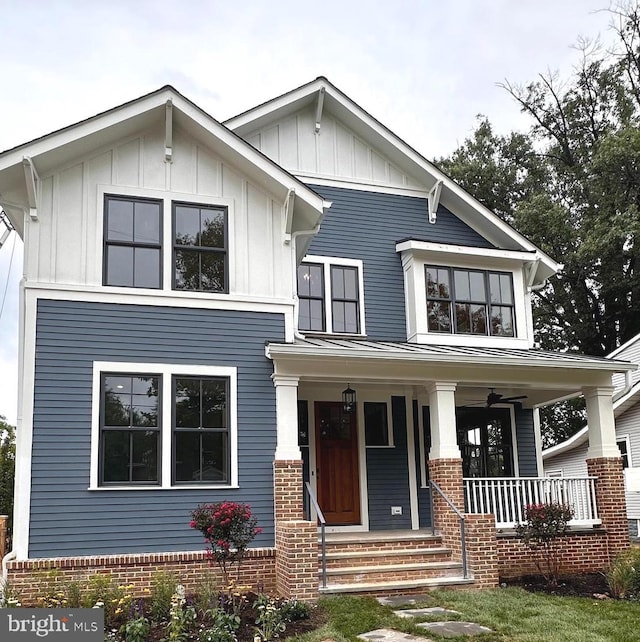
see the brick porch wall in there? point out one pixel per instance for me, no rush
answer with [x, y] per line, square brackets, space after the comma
[257, 571]
[297, 560]
[583, 552]
[296, 567]
[482, 550]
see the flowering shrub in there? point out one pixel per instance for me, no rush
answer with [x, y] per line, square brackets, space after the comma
[228, 529]
[544, 525]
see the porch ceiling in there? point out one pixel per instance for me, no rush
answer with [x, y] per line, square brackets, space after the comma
[542, 376]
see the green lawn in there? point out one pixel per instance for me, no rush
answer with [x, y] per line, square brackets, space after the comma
[514, 615]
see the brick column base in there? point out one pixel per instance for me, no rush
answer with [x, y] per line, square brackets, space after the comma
[297, 560]
[610, 500]
[287, 488]
[482, 550]
[447, 473]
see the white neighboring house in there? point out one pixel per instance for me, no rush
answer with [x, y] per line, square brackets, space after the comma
[568, 459]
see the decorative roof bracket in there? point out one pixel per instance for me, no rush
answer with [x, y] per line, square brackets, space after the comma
[319, 106]
[433, 199]
[168, 131]
[32, 181]
[288, 214]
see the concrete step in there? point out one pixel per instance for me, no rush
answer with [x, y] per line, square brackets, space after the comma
[335, 559]
[395, 572]
[398, 586]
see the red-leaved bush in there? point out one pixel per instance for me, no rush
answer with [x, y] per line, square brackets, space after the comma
[228, 529]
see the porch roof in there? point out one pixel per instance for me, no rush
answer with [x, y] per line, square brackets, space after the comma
[543, 376]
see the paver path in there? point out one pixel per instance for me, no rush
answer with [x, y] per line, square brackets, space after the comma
[449, 629]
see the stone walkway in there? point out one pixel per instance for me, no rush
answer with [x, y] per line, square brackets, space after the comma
[448, 629]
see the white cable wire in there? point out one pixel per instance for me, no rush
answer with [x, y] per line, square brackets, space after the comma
[6, 285]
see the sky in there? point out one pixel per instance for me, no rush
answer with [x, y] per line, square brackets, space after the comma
[424, 68]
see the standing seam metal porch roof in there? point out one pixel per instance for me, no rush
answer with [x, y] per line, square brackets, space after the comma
[391, 350]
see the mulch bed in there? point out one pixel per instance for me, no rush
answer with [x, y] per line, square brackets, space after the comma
[247, 630]
[591, 585]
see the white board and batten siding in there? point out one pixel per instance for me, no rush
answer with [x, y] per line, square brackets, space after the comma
[66, 244]
[333, 152]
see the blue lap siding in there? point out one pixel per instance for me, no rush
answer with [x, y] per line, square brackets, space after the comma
[367, 226]
[66, 518]
[387, 476]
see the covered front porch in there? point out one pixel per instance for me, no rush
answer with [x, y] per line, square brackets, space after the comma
[426, 447]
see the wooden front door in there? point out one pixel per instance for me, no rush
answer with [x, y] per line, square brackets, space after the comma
[337, 463]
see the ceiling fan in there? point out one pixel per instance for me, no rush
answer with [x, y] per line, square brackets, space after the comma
[494, 397]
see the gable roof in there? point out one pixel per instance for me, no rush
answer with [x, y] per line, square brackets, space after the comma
[467, 208]
[62, 146]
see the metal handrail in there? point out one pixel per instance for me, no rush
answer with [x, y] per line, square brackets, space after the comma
[433, 485]
[323, 523]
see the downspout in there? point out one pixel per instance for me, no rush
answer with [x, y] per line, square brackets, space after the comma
[11, 555]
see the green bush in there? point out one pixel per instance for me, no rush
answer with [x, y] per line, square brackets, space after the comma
[623, 577]
[163, 586]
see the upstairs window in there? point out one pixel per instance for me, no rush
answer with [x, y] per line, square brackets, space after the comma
[330, 296]
[200, 248]
[476, 302]
[133, 249]
[311, 297]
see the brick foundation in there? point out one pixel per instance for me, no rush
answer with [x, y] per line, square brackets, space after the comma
[257, 571]
[297, 560]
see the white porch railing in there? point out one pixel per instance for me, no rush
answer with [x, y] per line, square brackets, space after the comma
[508, 497]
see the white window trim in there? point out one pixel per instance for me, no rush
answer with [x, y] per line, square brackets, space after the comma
[166, 371]
[416, 255]
[331, 261]
[626, 439]
[167, 199]
[361, 418]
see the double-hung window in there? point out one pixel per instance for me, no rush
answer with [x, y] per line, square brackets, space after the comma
[164, 425]
[464, 301]
[133, 247]
[330, 296]
[201, 430]
[199, 248]
[130, 429]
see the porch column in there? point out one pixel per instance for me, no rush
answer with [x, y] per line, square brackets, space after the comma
[445, 463]
[442, 408]
[296, 540]
[605, 463]
[601, 422]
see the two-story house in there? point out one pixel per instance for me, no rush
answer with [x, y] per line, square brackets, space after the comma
[293, 309]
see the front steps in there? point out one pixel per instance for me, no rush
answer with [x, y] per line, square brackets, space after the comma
[388, 562]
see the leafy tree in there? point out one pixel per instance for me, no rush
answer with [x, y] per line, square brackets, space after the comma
[571, 184]
[7, 468]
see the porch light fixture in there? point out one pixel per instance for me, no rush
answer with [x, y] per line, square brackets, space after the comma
[349, 399]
